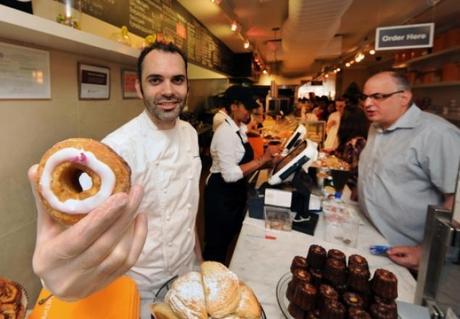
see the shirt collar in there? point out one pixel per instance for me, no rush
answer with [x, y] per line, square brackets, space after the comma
[149, 124]
[233, 125]
[410, 119]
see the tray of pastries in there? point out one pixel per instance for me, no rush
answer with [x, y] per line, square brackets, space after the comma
[214, 292]
[13, 300]
[324, 284]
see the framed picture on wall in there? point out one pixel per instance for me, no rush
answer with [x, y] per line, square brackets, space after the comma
[24, 73]
[128, 84]
[94, 82]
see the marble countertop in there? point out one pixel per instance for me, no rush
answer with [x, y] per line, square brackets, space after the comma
[261, 262]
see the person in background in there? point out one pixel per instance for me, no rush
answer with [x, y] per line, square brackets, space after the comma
[220, 115]
[352, 136]
[163, 154]
[256, 121]
[232, 163]
[332, 126]
[410, 161]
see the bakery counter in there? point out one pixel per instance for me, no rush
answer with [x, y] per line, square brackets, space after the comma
[262, 262]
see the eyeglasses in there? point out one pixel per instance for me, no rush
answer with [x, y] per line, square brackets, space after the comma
[379, 96]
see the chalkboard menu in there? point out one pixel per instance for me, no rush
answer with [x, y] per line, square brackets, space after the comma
[169, 19]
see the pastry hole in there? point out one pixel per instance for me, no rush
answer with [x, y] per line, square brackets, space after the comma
[71, 178]
[85, 181]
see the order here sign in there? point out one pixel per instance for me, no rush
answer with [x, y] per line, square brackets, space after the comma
[404, 36]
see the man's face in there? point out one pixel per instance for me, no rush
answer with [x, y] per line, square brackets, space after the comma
[164, 86]
[387, 110]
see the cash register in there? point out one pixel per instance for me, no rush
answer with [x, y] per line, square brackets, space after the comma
[300, 157]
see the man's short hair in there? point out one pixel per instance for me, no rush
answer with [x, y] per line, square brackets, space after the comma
[160, 46]
[401, 80]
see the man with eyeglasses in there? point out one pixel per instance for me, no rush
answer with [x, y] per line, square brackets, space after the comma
[410, 161]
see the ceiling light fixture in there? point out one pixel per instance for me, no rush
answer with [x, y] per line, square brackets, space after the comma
[246, 44]
[216, 1]
[372, 52]
[359, 57]
[348, 64]
[234, 26]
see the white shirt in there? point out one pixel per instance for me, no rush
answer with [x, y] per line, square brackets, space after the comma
[227, 150]
[167, 164]
[218, 119]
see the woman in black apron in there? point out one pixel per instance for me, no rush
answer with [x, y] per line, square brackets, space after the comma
[232, 162]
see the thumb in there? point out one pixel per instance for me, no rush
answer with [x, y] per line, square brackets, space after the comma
[397, 251]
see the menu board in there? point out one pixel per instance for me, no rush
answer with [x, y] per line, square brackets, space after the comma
[168, 19]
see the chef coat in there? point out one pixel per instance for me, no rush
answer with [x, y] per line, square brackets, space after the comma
[167, 164]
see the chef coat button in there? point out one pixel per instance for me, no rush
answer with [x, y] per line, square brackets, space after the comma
[168, 218]
[170, 244]
[188, 230]
[164, 190]
[189, 205]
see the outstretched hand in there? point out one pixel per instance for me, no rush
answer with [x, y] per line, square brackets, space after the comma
[81, 259]
[407, 256]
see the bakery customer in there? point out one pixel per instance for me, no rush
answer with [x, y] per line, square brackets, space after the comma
[410, 161]
[232, 162]
[162, 151]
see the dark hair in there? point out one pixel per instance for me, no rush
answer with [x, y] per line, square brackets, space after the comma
[400, 80]
[353, 123]
[160, 46]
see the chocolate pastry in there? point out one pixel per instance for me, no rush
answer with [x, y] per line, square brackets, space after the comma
[316, 276]
[385, 284]
[298, 262]
[316, 256]
[357, 261]
[351, 299]
[305, 296]
[358, 313]
[379, 311]
[295, 311]
[337, 254]
[335, 272]
[333, 309]
[326, 293]
[358, 279]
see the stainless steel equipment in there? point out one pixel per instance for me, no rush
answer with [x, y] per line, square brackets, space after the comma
[439, 271]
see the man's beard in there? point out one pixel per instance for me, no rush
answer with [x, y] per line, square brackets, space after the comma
[167, 116]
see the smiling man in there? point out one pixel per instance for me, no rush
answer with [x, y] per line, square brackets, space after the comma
[410, 161]
[163, 154]
[151, 237]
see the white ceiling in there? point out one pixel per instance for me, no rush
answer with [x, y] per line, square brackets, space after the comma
[312, 32]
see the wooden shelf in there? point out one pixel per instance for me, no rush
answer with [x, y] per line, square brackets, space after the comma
[23, 27]
[427, 57]
[437, 84]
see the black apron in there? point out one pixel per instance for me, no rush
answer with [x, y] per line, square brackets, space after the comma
[224, 210]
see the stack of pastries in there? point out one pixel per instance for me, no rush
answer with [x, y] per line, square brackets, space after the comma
[11, 300]
[324, 286]
[215, 292]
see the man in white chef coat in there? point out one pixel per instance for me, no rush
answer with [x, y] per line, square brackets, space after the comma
[150, 236]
